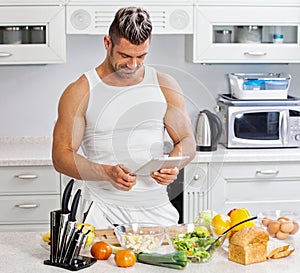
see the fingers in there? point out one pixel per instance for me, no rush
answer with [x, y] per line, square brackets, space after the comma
[122, 179]
[165, 176]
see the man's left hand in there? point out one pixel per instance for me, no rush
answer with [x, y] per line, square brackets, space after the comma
[165, 176]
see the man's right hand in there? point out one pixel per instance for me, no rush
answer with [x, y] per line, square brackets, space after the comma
[121, 178]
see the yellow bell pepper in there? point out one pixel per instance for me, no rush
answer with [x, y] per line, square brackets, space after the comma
[239, 215]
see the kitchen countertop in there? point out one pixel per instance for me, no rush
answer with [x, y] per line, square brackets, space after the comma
[25, 151]
[28, 151]
[223, 154]
[22, 252]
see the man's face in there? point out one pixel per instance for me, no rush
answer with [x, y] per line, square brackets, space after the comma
[126, 58]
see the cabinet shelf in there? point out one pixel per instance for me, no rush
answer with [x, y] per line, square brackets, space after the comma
[248, 35]
[32, 34]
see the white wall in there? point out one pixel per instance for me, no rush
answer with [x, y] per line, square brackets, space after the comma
[29, 94]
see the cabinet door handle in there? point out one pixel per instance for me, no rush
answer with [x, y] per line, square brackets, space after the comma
[267, 172]
[5, 54]
[26, 176]
[255, 53]
[196, 177]
[27, 206]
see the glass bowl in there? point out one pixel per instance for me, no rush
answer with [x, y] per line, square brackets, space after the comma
[195, 241]
[140, 237]
[280, 224]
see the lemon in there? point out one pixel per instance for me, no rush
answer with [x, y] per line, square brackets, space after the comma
[46, 237]
[90, 238]
[86, 227]
[220, 223]
[90, 234]
[202, 229]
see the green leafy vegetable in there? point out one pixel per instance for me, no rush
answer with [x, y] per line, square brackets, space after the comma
[204, 217]
[194, 244]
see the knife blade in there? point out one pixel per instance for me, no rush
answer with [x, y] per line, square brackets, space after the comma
[64, 217]
[71, 226]
[76, 247]
[72, 246]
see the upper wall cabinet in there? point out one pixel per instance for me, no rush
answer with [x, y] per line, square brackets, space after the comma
[95, 19]
[32, 34]
[248, 2]
[245, 34]
[32, 2]
[132, 2]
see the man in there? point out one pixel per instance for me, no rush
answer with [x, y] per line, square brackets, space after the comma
[118, 113]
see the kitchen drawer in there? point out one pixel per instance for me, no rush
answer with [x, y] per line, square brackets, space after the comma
[260, 170]
[258, 186]
[29, 180]
[27, 210]
[42, 228]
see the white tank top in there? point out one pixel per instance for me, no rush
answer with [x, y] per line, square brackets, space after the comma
[124, 125]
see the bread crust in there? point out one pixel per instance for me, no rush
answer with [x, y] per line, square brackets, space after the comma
[249, 235]
[283, 254]
[248, 245]
[280, 252]
[277, 250]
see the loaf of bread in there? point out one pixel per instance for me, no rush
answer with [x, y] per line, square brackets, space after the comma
[248, 245]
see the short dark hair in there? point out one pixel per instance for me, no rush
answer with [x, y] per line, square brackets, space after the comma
[131, 23]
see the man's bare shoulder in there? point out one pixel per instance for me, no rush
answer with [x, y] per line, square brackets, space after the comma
[80, 87]
[168, 84]
[77, 93]
[164, 77]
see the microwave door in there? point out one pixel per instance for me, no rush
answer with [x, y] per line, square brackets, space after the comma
[257, 128]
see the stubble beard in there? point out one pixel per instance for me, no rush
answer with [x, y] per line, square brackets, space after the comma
[121, 70]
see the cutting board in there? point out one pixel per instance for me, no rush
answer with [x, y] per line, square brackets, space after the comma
[108, 236]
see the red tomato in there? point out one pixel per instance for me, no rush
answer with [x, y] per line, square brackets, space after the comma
[101, 250]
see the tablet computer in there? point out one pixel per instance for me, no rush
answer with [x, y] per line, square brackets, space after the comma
[158, 163]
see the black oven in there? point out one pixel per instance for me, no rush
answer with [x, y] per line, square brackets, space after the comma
[175, 191]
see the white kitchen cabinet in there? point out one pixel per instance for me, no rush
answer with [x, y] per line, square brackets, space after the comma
[258, 186]
[194, 190]
[27, 195]
[32, 2]
[95, 19]
[248, 2]
[32, 34]
[204, 46]
[130, 3]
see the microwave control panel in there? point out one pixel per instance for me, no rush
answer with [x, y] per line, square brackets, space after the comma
[294, 125]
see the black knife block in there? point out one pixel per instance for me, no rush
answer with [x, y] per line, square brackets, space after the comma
[74, 264]
[77, 264]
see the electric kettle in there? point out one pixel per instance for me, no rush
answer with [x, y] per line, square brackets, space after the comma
[208, 131]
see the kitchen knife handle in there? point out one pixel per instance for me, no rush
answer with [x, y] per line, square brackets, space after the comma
[66, 196]
[75, 205]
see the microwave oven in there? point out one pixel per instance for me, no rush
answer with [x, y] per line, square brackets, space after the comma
[259, 123]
